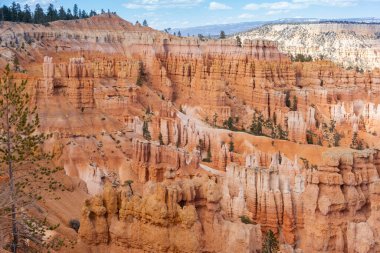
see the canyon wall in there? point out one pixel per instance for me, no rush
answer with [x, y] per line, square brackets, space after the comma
[162, 131]
[349, 45]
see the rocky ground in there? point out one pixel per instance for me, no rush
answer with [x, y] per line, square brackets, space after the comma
[176, 116]
[349, 45]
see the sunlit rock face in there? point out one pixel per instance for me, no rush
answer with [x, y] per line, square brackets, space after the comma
[160, 130]
[351, 45]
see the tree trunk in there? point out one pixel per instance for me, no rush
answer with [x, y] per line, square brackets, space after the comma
[12, 196]
[13, 208]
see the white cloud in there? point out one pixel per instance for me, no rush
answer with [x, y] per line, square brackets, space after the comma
[275, 6]
[340, 3]
[218, 6]
[246, 16]
[158, 4]
[284, 6]
[276, 12]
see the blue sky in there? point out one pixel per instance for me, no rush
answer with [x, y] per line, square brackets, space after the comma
[186, 13]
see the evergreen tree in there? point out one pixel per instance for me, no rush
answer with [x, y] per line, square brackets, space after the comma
[75, 11]
[331, 134]
[51, 14]
[179, 34]
[238, 41]
[214, 119]
[222, 35]
[16, 63]
[282, 134]
[39, 15]
[20, 157]
[270, 244]
[13, 12]
[141, 78]
[257, 124]
[229, 123]
[92, 13]
[84, 14]
[145, 23]
[18, 13]
[5, 13]
[356, 143]
[231, 146]
[62, 13]
[146, 132]
[27, 17]
[69, 15]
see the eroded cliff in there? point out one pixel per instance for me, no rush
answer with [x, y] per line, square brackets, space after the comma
[210, 141]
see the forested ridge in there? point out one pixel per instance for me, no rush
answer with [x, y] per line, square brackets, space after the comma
[17, 13]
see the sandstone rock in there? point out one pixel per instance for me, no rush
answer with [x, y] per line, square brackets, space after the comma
[360, 238]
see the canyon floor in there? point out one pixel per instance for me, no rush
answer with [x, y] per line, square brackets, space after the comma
[175, 144]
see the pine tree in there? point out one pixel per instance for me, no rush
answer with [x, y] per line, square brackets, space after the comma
[21, 157]
[27, 17]
[146, 132]
[84, 14]
[51, 14]
[281, 134]
[92, 13]
[231, 146]
[5, 14]
[238, 41]
[222, 35]
[214, 119]
[69, 15]
[75, 11]
[179, 34]
[257, 124]
[13, 12]
[270, 244]
[145, 23]
[62, 13]
[18, 13]
[16, 63]
[141, 78]
[229, 123]
[39, 15]
[356, 143]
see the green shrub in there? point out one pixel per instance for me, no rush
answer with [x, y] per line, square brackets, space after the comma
[270, 244]
[245, 219]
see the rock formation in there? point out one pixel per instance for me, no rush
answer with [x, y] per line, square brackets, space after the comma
[162, 131]
[351, 45]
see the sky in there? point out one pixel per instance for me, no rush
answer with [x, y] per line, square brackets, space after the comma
[162, 14]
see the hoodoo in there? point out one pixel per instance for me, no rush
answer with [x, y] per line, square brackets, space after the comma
[183, 144]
